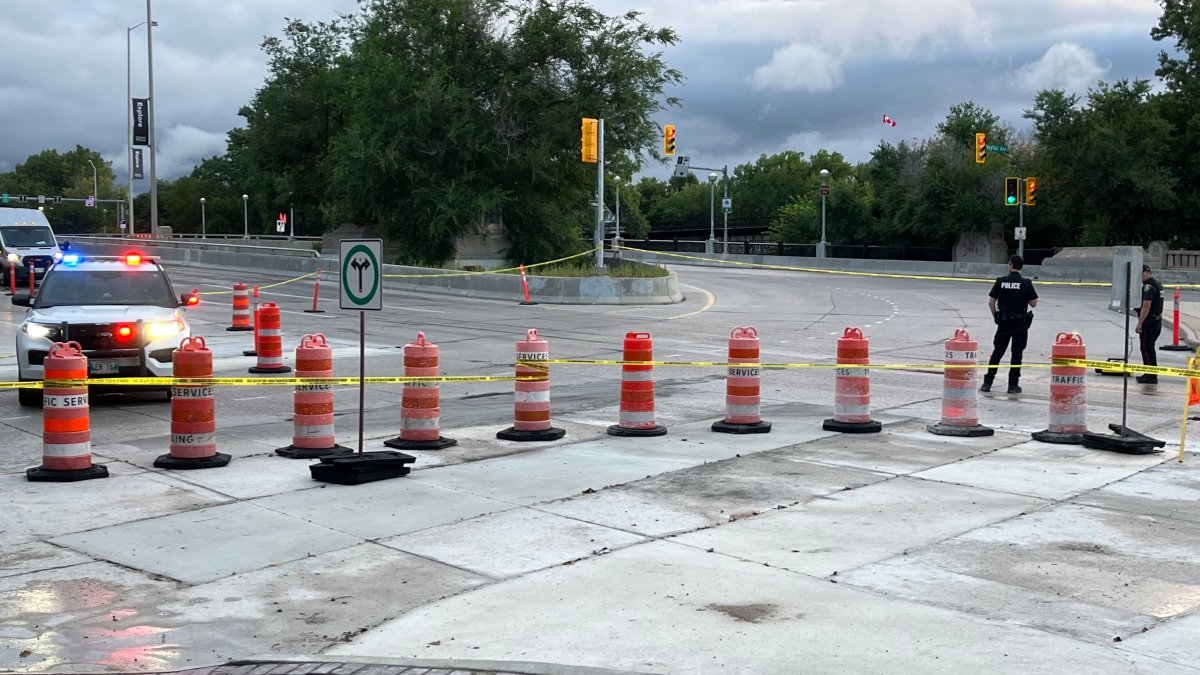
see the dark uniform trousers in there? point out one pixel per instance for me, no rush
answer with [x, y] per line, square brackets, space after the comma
[1018, 333]
[1151, 329]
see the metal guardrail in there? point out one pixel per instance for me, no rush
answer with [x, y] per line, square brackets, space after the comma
[265, 237]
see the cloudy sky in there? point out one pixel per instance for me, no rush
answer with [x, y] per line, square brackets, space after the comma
[762, 76]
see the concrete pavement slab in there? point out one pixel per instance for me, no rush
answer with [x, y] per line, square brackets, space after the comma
[723, 615]
[900, 449]
[383, 509]
[1042, 469]
[208, 544]
[1174, 641]
[711, 494]
[512, 543]
[56, 614]
[35, 511]
[854, 527]
[25, 558]
[257, 476]
[917, 578]
[1170, 491]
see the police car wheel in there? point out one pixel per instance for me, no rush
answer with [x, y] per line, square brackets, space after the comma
[31, 398]
[168, 392]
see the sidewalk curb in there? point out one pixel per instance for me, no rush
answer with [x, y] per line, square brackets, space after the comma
[507, 667]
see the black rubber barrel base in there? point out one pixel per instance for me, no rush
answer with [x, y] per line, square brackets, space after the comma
[870, 427]
[514, 434]
[40, 475]
[314, 311]
[272, 369]
[526, 303]
[440, 444]
[1047, 436]
[239, 329]
[721, 426]
[618, 430]
[1174, 348]
[355, 469]
[249, 352]
[971, 432]
[292, 452]
[185, 463]
[1123, 440]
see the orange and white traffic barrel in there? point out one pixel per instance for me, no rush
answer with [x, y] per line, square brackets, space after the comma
[531, 402]
[193, 419]
[1068, 393]
[420, 406]
[241, 308]
[268, 340]
[312, 404]
[66, 420]
[852, 388]
[743, 386]
[253, 351]
[960, 402]
[636, 417]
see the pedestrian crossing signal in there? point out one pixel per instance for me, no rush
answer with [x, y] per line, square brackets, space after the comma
[669, 139]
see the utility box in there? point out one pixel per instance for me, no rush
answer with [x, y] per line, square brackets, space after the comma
[1126, 258]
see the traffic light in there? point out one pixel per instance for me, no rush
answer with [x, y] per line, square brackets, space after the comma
[4, 198]
[1030, 191]
[669, 139]
[1012, 191]
[591, 140]
[980, 148]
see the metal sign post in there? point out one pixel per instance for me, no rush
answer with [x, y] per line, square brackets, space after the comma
[361, 282]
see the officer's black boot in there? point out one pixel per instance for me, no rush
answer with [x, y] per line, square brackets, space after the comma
[1013, 388]
[987, 385]
[1148, 378]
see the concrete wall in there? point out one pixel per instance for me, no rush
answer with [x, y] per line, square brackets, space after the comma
[597, 290]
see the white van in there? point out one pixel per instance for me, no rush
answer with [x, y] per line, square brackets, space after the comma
[26, 241]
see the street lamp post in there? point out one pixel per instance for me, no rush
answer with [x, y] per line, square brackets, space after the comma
[129, 113]
[617, 226]
[245, 216]
[725, 211]
[203, 221]
[150, 115]
[95, 182]
[824, 188]
[711, 245]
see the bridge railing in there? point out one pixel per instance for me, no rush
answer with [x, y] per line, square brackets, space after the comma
[1183, 260]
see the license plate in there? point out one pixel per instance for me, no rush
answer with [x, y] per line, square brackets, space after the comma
[39, 269]
[104, 367]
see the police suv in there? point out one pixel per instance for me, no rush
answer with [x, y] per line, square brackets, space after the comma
[122, 311]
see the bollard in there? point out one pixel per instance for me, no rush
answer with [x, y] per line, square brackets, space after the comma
[420, 414]
[66, 421]
[312, 404]
[1175, 346]
[960, 404]
[743, 386]
[1068, 393]
[193, 420]
[637, 390]
[525, 288]
[241, 308]
[531, 403]
[316, 296]
[852, 388]
[268, 343]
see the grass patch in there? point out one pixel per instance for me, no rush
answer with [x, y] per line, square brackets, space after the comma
[585, 268]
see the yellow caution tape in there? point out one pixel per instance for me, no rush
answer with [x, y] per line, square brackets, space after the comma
[884, 275]
[281, 283]
[499, 271]
[1109, 366]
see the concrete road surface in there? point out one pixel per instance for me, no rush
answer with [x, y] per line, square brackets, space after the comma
[800, 550]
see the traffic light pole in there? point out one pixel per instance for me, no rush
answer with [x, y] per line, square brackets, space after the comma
[598, 240]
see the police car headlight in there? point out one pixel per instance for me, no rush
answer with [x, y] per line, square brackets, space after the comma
[162, 329]
[13, 257]
[58, 255]
[37, 330]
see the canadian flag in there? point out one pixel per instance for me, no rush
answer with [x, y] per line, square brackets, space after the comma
[888, 120]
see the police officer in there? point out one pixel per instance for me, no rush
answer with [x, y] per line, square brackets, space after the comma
[1149, 322]
[1010, 299]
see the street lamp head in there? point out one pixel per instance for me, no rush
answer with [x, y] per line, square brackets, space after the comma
[712, 177]
[202, 200]
[245, 197]
[824, 174]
